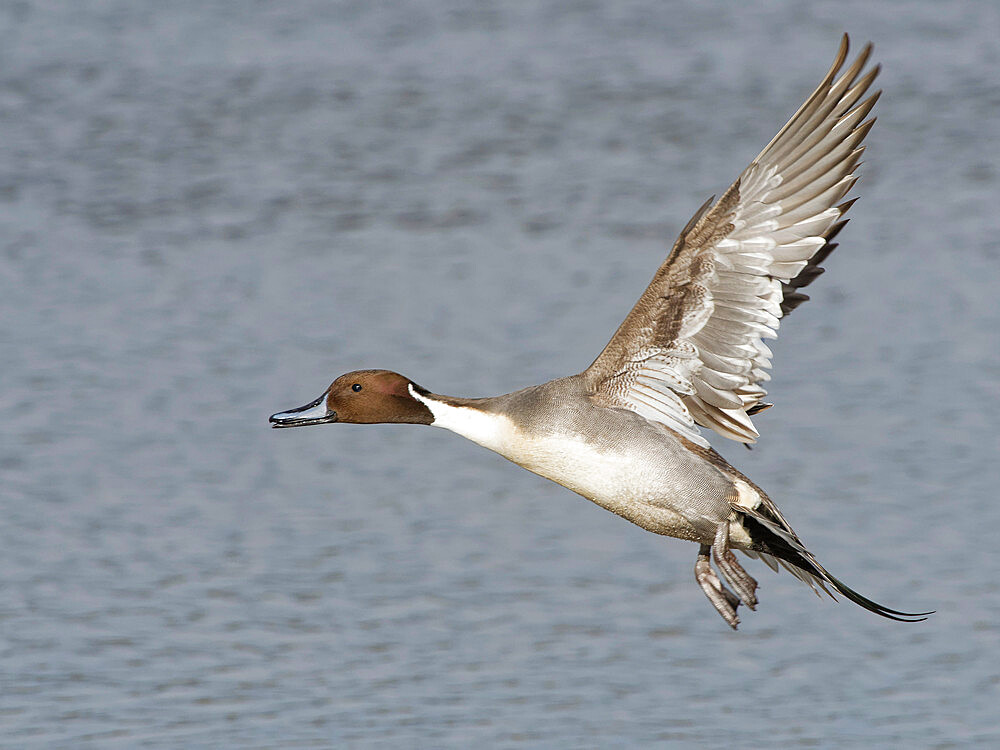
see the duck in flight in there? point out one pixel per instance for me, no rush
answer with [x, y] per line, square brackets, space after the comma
[624, 433]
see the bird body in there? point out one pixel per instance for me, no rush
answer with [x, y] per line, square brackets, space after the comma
[624, 433]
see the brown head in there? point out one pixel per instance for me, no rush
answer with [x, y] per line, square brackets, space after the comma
[361, 397]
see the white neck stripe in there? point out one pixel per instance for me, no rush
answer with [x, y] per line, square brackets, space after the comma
[492, 431]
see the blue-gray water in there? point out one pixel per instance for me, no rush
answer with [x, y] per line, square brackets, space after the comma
[209, 210]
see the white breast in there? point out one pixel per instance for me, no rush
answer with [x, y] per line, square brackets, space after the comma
[617, 481]
[570, 461]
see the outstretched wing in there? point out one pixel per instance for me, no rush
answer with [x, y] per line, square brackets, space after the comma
[691, 351]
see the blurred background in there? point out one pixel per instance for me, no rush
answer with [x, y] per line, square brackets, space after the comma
[208, 210]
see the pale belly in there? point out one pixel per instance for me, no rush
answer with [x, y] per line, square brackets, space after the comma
[650, 493]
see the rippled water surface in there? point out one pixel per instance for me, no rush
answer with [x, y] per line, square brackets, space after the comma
[209, 210]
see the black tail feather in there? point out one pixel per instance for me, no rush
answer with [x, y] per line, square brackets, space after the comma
[770, 538]
[863, 601]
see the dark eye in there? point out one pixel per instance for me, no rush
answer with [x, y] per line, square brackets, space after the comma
[356, 387]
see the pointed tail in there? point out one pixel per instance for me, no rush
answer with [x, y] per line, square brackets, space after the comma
[780, 543]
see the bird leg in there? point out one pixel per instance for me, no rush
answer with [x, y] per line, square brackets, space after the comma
[725, 561]
[724, 600]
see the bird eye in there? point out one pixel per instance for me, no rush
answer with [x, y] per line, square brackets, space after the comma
[356, 387]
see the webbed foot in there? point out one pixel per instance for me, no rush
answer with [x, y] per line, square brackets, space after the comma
[726, 562]
[724, 600]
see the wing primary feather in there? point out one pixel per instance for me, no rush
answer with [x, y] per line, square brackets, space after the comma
[817, 94]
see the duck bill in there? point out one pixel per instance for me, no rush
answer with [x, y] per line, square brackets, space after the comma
[312, 413]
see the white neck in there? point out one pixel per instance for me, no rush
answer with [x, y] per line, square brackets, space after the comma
[493, 431]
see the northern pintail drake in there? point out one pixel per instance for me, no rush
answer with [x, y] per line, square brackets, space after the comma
[624, 433]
